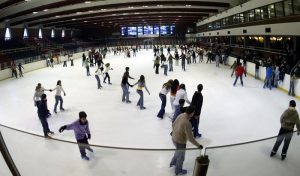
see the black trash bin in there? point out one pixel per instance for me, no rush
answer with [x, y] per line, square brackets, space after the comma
[201, 166]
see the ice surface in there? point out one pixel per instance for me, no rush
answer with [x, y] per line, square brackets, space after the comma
[229, 114]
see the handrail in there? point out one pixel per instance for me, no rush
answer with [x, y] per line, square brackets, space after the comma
[242, 143]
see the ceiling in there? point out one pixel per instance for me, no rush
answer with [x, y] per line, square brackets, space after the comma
[80, 14]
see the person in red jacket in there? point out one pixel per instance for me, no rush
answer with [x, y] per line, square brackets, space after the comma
[239, 71]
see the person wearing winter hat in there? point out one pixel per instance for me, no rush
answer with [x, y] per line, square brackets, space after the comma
[82, 133]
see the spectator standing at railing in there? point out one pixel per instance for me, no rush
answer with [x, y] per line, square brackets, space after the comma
[82, 133]
[20, 67]
[257, 64]
[181, 133]
[288, 120]
[293, 78]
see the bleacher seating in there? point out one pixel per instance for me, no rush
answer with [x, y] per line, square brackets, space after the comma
[11, 44]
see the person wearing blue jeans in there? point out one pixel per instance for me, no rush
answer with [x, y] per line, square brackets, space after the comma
[124, 85]
[141, 84]
[268, 79]
[58, 97]
[163, 97]
[182, 132]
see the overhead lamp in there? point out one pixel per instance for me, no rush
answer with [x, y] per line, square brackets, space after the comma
[35, 12]
[103, 9]
[95, 23]
[130, 7]
[57, 16]
[85, 21]
[145, 6]
[188, 5]
[78, 12]
[159, 5]
[45, 10]
[87, 2]
[27, 0]
[73, 19]
[91, 11]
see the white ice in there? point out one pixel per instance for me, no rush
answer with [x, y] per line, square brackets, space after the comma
[229, 114]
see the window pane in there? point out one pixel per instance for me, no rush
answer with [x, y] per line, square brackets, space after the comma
[264, 12]
[257, 14]
[251, 15]
[246, 17]
[241, 18]
[279, 9]
[271, 11]
[296, 7]
[288, 9]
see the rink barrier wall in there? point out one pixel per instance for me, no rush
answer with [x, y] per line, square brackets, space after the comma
[284, 86]
[6, 73]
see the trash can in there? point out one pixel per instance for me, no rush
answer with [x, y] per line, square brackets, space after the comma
[201, 166]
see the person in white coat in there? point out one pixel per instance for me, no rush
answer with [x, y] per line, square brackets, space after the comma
[181, 94]
[58, 97]
[106, 70]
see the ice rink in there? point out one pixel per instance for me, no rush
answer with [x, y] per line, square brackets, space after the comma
[229, 114]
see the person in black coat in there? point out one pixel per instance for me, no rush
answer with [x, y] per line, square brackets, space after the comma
[197, 102]
[43, 114]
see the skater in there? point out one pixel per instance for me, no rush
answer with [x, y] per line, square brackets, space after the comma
[43, 114]
[65, 61]
[163, 96]
[141, 83]
[83, 59]
[183, 58]
[293, 79]
[107, 68]
[174, 89]
[51, 62]
[165, 67]
[268, 79]
[197, 102]
[257, 64]
[200, 56]
[239, 71]
[181, 94]
[170, 60]
[58, 97]
[182, 132]
[125, 86]
[82, 133]
[39, 91]
[87, 66]
[179, 110]
[176, 58]
[233, 67]
[194, 56]
[72, 61]
[288, 120]
[20, 67]
[97, 74]
[13, 70]
[218, 58]
[156, 64]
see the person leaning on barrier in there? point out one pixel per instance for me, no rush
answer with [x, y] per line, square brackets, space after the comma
[288, 120]
[182, 132]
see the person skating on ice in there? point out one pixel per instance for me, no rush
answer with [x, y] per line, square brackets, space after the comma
[87, 66]
[197, 102]
[181, 133]
[43, 114]
[174, 89]
[140, 85]
[163, 97]
[82, 133]
[39, 91]
[106, 70]
[156, 64]
[170, 60]
[125, 86]
[289, 119]
[183, 58]
[181, 94]
[20, 67]
[239, 71]
[179, 110]
[98, 73]
[268, 78]
[58, 97]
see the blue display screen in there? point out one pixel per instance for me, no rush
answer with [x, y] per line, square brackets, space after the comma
[132, 31]
[164, 30]
[156, 30]
[172, 29]
[124, 31]
[140, 30]
[148, 30]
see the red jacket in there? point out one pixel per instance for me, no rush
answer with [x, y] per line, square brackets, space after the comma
[239, 70]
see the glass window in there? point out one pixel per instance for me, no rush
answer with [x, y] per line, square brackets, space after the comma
[288, 8]
[264, 13]
[242, 20]
[230, 20]
[251, 15]
[296, 7]
[257, 14]
[279, 9]
[271, 11]
[40, 33]
[246, 17]
[217, 24]
[7, 34]
[63, 33]
[25, 33]
[52, 33]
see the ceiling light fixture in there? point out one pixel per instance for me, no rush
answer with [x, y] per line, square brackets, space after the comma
[85, 21]
[57, 16]
[103, 9]
[78, 12]
[45, 10]
[145, 6]
[73, 19]
[87, 2]
[35, 12]
[91, 11]
[188, 5]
